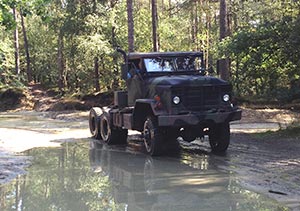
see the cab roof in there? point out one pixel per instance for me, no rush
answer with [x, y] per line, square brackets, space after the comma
[136, 55]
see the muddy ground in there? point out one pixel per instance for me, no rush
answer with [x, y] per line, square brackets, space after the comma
[267, 164]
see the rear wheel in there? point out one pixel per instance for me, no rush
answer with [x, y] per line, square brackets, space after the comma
[110, 134]
[94, 122]
[219, 137]
[153, 136]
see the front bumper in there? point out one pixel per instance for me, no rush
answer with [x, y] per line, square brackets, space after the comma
[199, 118]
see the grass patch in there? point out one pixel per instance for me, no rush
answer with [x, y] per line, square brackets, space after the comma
[262, 103]
[292, 131]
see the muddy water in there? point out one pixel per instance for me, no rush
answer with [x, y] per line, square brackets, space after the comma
[25, 130]
[83, 175]
[89, 176]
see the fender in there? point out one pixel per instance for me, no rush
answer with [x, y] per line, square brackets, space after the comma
[144, 108]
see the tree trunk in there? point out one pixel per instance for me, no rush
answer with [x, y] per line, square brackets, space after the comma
[237, 76]
[170, 8]
[97, 77]
[130, 26]
[115, 59]
[28, 69]
[223, 19]
[16, 43]
[60, 63]
[223, 63]
[208, 28]
[154, 26]
[197, 26]
[94, 6]
[193, 24]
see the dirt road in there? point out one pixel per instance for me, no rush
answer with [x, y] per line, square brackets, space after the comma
[269, 166]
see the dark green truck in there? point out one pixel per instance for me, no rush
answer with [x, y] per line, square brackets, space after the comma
[168, 96]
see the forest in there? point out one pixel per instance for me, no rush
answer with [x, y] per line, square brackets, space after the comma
[69, 45]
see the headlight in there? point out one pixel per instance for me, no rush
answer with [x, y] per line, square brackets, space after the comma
[176, 100]
[226, 98]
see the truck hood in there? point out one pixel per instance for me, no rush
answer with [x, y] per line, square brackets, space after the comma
[185, 80]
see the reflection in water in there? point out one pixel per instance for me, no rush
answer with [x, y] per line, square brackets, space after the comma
[75, 177]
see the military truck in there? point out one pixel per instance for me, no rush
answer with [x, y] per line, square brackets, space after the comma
[168, 96]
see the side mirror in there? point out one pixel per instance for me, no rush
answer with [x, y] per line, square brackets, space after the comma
[124, 71]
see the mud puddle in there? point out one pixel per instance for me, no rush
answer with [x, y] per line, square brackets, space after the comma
[20, 131]
[89, 176]
[77, 176]
[38, 121]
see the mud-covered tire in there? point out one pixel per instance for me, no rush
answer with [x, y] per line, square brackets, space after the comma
[110, 134]
[94, 122]
[219, 137]
[153, 137]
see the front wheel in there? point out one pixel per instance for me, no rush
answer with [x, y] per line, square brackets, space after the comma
[110, 134]
[152, 136]
[219, 137]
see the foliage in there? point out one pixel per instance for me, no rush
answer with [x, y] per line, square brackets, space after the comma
[263, 60]
[7, 77]
[263, 45]
[6, 17]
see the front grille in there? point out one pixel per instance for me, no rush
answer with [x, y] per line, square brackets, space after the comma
[200, 98]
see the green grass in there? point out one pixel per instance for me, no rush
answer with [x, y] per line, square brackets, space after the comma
[292, 131]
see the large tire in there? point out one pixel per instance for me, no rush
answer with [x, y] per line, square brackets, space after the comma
[94, 122]
[153, 137]
[110, 134]
[219, 137]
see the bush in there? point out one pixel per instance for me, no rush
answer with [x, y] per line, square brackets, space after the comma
[11, 98]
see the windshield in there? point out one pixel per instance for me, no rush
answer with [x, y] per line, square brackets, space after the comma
[172, 64]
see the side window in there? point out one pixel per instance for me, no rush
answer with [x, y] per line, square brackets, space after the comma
[189, 63]
[135, 67]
